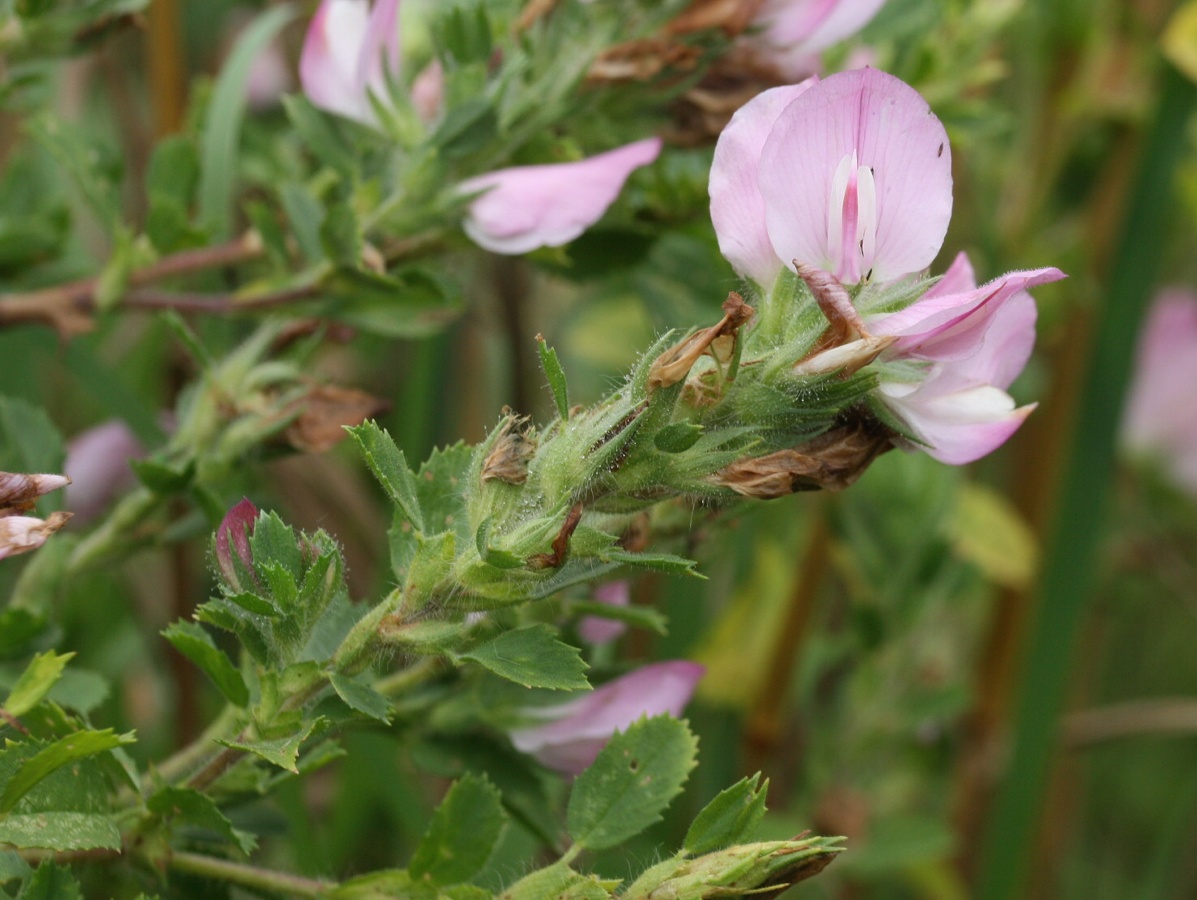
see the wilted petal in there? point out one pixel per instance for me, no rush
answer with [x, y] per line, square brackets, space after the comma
[596, 629]
[97, 461]
[348, 48]
[737, 207]
[19, 491]
[20, 534]
[957, 426]
[232, 536]
[527, 207]
[856, 178]
[575, 732]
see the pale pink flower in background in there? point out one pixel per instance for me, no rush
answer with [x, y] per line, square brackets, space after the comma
[572, 734]
[269, 78]
[232, 537]
[428, 91]
[977, 341]
[596, 629]
[97, 462]
[527, 207]
[793, 32]
[349, 49]
[853, 176]
[1160, 418]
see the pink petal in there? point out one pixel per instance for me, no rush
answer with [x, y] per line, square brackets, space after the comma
[580, 729]
[954, 326]
[957, 427]
[814, 25]
[737, 207]
[956, 280]
[343, 56]
[597, 630]
[527, 207]
[902, 151]
[1161, 405]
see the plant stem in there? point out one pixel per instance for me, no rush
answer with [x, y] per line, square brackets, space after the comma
[1069, 569]
[399, 682]
[248, 876]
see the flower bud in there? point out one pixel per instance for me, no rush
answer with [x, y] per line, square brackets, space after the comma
[19, 491]
[232, 535]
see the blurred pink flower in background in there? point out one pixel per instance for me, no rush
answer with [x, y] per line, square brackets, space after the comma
[349, 49]
[428, 91]
[527, 207]
[793, 32]
[978, 340]
[97, 462]
[1160, 419]
[572, 734]
[596, 629]
[852, 175]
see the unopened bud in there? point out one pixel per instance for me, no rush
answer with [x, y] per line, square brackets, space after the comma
[512, 451]
[19, 491]
[20, 534]
[232, 535]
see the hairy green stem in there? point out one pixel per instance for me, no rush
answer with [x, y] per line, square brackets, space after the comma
[247, 876]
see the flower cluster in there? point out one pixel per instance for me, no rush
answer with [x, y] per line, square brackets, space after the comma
[847, 181]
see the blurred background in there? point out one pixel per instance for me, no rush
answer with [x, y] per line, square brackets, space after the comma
[984, 677]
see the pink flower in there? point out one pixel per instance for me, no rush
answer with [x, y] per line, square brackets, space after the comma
[232, 536]
[97, 462]
[527, 207]
[852, 175]
[596, 629]
[793, 31]
[573, 733]
[349, 49]
[1161, 406]
[976, 341]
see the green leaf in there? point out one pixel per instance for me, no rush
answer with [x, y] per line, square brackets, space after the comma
[252, 603]
[80, 690]
[18, 628]
[631, 782]
[361, 697]
[555, 375]
[197, 645]
[318, 133]
[500, 559]
[173, 170]
[340, 235]
[462, 834]
[305, 214]
[51, 882]
[282, 752]
[222, 125]
[728, 819]
[559, 882]
[988, 531]
[467, 126]
[413, 302]
[195, 808]
[657, 562]
[13, 867]
[29, 442]
[162, 477]
[54, 756]
[35, 682]
[389, 466]
[678, 437]
[440, 486]
[60, 831]
[533, 657]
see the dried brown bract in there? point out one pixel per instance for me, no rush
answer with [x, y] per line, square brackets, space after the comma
[325, 411]
[831, 461]
[718, 341]
[513, 450]
[18, 492]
